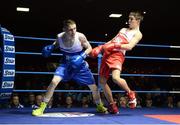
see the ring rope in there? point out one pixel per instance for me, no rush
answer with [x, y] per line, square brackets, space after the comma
[128, 57]
[85, 91]
[50, 39]
[147, 75]
[159, 46]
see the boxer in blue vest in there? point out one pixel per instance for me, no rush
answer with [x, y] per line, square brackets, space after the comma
[75, 48]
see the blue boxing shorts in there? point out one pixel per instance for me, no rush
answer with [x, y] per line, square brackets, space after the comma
[83, 76]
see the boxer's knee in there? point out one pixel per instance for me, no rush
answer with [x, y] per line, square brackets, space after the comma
[103, 80]
[94, 89]
[115, 79]
[118, 79]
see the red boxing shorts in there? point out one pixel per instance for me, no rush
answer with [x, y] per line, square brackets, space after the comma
[109, 62]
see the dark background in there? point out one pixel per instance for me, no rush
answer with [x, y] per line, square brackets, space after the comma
[160, 25]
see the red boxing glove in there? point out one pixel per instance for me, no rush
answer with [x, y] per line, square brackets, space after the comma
[94, 53]
[108, 47]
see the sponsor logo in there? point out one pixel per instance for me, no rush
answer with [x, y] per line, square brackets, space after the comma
[67, 114]
[4, 30]
[7, 84]
[9, 73]
[9, 61]
[5, 95]
[9, 49]
[8, 37]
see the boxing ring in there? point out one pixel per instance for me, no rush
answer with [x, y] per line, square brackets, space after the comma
[137, 116]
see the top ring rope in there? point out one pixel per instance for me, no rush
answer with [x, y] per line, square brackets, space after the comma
[144, 45]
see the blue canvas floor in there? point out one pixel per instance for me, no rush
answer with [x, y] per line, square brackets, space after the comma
[87, 116]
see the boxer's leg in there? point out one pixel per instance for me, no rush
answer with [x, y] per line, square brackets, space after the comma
[61, 73]
[84, 76]
[123, 84]
[119, 81]
[112, 108]
[104, 75]
[50, 91]
[97, 99]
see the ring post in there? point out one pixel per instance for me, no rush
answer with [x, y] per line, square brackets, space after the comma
[99, 65]
[7, 56]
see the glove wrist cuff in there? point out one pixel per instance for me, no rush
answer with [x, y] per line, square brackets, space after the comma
[84, 55]
[117, 45]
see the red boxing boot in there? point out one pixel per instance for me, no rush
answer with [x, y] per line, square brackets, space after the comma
[132, 99]
[113, 109]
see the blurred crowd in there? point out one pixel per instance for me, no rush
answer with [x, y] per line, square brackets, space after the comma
[84, 99]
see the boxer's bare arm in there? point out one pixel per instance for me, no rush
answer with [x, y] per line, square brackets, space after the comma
[85, 43]
[137, 37]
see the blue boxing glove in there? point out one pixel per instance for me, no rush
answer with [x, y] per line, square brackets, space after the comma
[78, 60]
[47, 50]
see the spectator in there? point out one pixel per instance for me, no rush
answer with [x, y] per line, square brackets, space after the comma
[178, 104]
[69, 102]
[31, 99]
[15, 102]
[123, 102]
[170, 102]
[59, 99]
[139, 101]
[85, 102]
[38, 101]
[148, 100]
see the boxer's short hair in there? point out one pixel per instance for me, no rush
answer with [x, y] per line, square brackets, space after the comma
[137, 14]
[68, 22]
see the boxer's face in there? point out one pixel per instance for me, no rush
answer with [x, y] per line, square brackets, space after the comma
[133, 22]
[71, 30]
